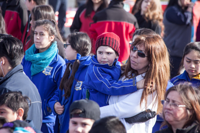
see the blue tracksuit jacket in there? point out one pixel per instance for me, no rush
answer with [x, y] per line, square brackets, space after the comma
[47, 82]
[101, 81]
[76, 93]
[185, 78]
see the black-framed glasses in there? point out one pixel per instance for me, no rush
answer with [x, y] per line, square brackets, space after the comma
[65, 45]
[139, 52]
[172, 105]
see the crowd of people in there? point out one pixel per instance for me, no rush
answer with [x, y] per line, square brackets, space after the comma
[116, 72]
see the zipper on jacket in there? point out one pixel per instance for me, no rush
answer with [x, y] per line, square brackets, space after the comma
[44, 108]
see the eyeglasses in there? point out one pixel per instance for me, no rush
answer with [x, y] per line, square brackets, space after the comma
[172, 105]
[140, 53]
[65, 45]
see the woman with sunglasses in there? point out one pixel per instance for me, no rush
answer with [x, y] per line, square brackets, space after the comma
[148, 67]
[181, 109]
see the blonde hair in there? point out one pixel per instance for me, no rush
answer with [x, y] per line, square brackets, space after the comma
[153, 13]
[159, 67]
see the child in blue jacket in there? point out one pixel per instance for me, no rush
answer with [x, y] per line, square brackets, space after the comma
[191, 63]
[45, 68]
[77, 50]
[104, 72]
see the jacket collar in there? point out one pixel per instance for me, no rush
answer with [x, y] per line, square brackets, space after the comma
[188, 129]
[185, 76]
[11, 72]
[84, 60]
[96, 63]
[55, 59]
[116, 4]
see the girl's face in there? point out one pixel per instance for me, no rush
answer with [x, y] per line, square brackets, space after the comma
[140, 64]
[106, 55]
[96, 1]
[145, 5]
[192, 63]
[42, 39]
[173, 112]
[70, 53]
[184, 3]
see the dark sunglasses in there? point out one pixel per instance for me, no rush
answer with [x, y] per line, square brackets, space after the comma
[65, 45]
[139, 52]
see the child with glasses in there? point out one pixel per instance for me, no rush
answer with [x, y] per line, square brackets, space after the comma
[77, 50]
[190, 65]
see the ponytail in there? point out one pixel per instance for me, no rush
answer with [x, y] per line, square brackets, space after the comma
[66, 82]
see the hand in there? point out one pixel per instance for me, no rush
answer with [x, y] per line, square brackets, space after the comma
[190, 7]
[140, 84]
[58, 108]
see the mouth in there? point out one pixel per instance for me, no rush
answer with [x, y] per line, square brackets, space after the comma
[104, 62]
[133, 62]
[192, 71]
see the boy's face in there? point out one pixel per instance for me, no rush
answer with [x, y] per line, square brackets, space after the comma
[106, 55]
[80, 125]
[8, 113]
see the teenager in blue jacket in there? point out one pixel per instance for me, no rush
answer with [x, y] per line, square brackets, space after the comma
[106, 69]
[191, 65]
[78, 60]
[45, 68]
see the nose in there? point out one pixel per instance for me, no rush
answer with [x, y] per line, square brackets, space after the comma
[134, 54]
[78, 129]
[104, 56]
[192, 65]
[37, 36]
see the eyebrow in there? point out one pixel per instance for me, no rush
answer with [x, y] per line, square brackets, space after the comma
[191, 59]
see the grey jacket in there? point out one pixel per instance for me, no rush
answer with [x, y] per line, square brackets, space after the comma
[176, 37]
[16, 80]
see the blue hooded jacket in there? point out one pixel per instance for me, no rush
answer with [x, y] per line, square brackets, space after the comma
[185, 78]
[76, 92]
[47, 82]
[102, 80]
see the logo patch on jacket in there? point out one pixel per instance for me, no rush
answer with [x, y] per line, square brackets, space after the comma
[47, 70]
[78, 85]
[12, 17]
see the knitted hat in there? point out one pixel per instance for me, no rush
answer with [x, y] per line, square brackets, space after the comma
[108, 39]
[89, 108]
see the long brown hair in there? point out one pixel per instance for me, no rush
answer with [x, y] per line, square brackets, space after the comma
[191, 98]
[153, 13]
[159, 68]
[80, 42]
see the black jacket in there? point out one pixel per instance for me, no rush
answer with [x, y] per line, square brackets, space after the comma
[154, 25]
[194, 128]
[16, 80]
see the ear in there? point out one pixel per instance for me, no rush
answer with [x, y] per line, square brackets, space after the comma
[3, 60]
[51, 38]
[20, 114]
